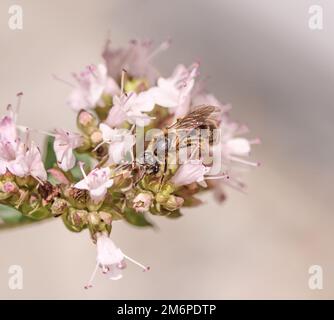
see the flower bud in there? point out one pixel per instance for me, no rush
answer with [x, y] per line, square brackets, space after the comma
[77, 197]
[161, 197]
[93, 218]
[86, 122]
[75, 220]
[59, 207]
[31, 205]
[96, 137]
[142, 202]
[7, 189]
[173, 203]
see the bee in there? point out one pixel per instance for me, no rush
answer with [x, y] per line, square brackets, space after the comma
[191, 127]
[155, 157]
[185, 131]
[146, 163]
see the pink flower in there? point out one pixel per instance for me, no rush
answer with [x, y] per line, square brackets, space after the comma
[91, 84]
[131, 107]
[96, 182]
[232, 147]
[8, 131]
[110, 259]
[9, 142]
[175, 92]
[189, 172]
[63, 145]
[142, 202]
[135, 59]
[20, 159]
[28, 163]
[120, 142]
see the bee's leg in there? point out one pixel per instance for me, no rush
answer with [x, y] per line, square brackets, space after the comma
[165, 171]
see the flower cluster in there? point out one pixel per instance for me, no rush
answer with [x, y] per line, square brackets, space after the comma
[146, 144]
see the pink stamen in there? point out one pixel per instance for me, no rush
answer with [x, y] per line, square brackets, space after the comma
[253, 164]
[90, 282]
[162, 47]
[145, 268]
[92, 70]
[63, 81]
[81, 166]
[122, 80]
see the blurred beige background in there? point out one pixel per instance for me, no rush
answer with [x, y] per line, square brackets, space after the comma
[278, 74]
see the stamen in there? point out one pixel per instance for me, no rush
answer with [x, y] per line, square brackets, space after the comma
[100, 144]
[39, 180]
[18, 104]
[137, 263]
[133, 128]
[162, 47]
[253, 164]
[47, 133]
[92, 69]
[90, 282]
[27, 143]
[63, 80]
[223, 176]
[81, 164]
[122, 80]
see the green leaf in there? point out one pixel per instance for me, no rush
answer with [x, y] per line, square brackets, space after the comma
[11, 218]
[136, 219]
[83, 157]
[50, 156]
[9, 215]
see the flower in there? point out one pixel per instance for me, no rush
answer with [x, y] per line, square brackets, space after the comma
[135, 59]
[120, 142]
[29, 163]
[175, 92]
[142, 202]
[63, 145]
[91, 84]
[8, 130]
[9, 142]
[110, 259]
[96, 182]
[20, 159]
[232, 147]
[131, 107]
[189, 172]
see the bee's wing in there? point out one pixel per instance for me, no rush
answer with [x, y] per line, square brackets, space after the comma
[200, 116]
